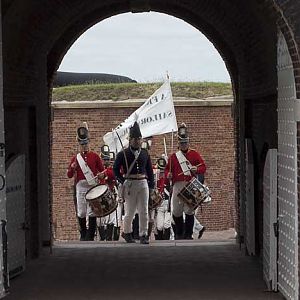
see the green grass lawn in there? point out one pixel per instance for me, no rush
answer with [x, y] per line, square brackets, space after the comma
[123, 91]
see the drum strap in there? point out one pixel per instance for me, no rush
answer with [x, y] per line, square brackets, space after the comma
[167, 192]
[184, 163]
[115, 191]
[156, 173]
[87, 172]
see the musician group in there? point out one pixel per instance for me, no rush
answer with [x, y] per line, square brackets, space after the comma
[111, 191]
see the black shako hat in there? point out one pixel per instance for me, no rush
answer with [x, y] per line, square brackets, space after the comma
[183, 136]
[161, 163]
[105, 156]
[134, 131]
[105, 153]
[82, 136]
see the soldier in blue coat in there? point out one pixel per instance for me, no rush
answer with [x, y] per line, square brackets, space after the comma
[137, 182]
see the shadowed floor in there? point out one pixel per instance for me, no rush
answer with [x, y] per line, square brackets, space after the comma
[199, 269]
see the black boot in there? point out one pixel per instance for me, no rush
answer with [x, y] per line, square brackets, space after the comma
[102, 233]
[109, 232]
[144, 239]
[201, 232]
[167, 234]
[178, 227]
[92, 229]
[128, 238]
[188, 228]
[135, 227]
[82, 225]
[150, 225]
[160, 234]
[174, 229]
[116, 233]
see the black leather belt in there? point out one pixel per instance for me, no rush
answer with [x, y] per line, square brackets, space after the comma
[136, 177]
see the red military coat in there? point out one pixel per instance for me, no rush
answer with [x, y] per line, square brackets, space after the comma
[109, 178]
[174, 167]
[92, 159]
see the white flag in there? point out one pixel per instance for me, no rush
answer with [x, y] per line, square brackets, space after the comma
[156, 116]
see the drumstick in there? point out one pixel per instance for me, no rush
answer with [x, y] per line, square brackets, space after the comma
[103, 172]
[96, 177]
[189, 169]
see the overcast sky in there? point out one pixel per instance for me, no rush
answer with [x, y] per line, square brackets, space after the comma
[144, 47]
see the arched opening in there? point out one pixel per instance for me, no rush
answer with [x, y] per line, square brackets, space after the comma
[209, 120]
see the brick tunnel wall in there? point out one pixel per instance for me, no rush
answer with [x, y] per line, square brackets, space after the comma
[211, 131]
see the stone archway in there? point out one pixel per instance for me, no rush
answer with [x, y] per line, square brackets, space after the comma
[36, 37]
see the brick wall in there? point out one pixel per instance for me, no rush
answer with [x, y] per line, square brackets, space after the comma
[211, 130]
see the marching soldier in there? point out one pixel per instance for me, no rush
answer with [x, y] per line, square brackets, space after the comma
[109, 226]
[136, 184]
[163, 216]
[182, 166]
[86, 167]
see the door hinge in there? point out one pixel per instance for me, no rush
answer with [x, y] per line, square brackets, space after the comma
[2, 149]
[276, 229]
[24, 226]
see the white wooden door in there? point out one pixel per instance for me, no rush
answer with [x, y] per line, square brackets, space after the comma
[15, 211]
[270, 220]
[287, 175]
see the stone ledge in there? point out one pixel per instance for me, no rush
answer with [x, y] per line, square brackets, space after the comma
[212, 101]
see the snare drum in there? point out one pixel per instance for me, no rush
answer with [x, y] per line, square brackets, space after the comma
[155, 200]
[101, 200]
[194, 193]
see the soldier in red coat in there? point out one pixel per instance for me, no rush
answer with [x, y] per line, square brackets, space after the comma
[163, 216]
[86, 167]
[182, 166]
[106, 224]
[109, 226]
[109, 177]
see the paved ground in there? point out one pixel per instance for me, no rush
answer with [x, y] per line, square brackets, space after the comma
[206, 269]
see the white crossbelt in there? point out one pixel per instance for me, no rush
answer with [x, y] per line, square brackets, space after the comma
[87, 172]
[184, 163]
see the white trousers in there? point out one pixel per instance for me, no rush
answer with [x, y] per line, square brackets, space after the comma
[83, 208]
[163, 217]
[136, 196]
[114, 217]
[177, 205]
[197, 226]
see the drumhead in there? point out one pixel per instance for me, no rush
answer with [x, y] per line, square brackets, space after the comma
[96, 191]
